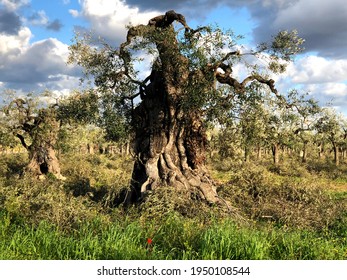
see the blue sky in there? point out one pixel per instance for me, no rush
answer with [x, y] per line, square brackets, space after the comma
[35, 34]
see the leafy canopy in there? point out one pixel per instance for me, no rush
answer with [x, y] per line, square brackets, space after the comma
[212, 54]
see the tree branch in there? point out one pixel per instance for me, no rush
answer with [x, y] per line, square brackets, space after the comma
[162, 21]
[22, 140]
[166, 20]
[225, 78]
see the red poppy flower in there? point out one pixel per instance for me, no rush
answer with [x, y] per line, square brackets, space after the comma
[149, 241]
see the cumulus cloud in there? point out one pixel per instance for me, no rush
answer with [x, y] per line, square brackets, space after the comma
[109, 18]
[38, 63]
[332, 94]
[323, 79]
[316, 69]
[12, 5]
[26, 66]
[12, 45]
[38, 18]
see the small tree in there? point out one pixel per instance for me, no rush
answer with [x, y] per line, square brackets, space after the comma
[279, 132]
[306, 111]
[253, 119]
[168, 108]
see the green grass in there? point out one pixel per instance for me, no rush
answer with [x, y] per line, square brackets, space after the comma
[173, 238]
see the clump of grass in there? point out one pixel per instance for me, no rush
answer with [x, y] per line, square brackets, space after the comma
[290, 168]
[93, 186]
[285, 200]
[167, 200]
[48, 200]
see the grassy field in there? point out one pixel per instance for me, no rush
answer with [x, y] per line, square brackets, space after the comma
[288, 212]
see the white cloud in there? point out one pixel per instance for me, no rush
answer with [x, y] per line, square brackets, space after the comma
[39, 18]
[331, 90]
[330, 94]
[110, 17]
[315, 69]
[74, 13]
[13, 45]
[14, 5]
[38, 66]
[38, 62]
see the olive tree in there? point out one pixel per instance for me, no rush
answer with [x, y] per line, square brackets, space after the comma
[36, 120]
[333, 128]
[191, 80]
[36, 128]
[305, 111]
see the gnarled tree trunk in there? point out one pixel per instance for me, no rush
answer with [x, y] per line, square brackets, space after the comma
[170, 142]
[43, 134]
[170, 147]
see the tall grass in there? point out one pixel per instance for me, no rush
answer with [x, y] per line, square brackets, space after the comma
[173, 238]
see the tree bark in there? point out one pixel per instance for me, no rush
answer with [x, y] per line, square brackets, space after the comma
[43, 160]
[169, 143]
[304, 153]
[275, 154]
[246, 153]
[336, 154]
[259, 152]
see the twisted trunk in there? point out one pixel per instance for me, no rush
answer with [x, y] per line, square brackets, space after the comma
[170, 148]
[170, 142]
[43, 134]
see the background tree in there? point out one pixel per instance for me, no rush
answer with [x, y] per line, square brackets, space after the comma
[7, 140]
[253, 117]
[333, 127]
[183, 89]
[36, 127]
[306, 111]
[279, 132]
[36, 121]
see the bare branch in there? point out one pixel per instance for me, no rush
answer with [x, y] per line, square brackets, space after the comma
[225, 78]
[166, 20]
